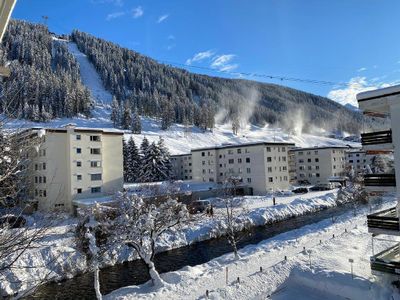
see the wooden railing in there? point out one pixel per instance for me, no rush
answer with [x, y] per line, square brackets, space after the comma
[376, 138]
[386, 220]
[379, 180]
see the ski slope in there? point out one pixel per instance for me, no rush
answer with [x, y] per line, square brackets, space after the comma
[90, 77]
[178, 139]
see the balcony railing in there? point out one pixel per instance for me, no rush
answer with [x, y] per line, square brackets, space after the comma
[376, 138]
[385, 220]
[379, 180]
[387, 261]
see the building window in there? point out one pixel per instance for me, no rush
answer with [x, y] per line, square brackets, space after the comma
[44, 193]
[239, 151]
[317, 174]
[95, 151]
[283, 149]
[36, 179]
[309, 160]
[79, 177]
[316, 167]
[78, 150]
[95, 138]
[317, 160]
[203, 162]
[95, 164]
[94, 177]
[247, 159]
[301, 161]
[44, 166]
[96, 189]
[246, 150]
[230, 161]
[301, 153]
[248, 170]
[270, 179]
[270, 169]
[268, 149]
[203, 154]
[249, 180]
[230, 151]
[309, 167]
[269, 159]
[78, 137]
[79, 191]
[79, 164]
[283, 158]
[239, 160]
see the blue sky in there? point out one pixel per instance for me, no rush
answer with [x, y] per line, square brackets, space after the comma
[349, 41]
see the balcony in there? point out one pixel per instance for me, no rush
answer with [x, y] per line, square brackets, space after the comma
[379, 180]
[380, 184]
[384, 222]
[387, 261]
[380, 140]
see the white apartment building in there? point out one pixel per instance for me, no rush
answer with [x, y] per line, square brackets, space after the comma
[262, 166]
[182, 166]
[357, 160]
[74, 164]
[319, 164]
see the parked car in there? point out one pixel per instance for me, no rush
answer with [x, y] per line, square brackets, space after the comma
[199, 206]
[301, 190]
[12, 221]
[321, 187]
[304, 182]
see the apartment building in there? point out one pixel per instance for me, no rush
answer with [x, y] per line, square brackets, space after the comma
[357, 160]
[383, 103]
[182, 166]
[318, 164]
[261, 166]
[73, 164]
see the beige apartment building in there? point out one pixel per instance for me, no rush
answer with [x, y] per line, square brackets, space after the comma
[182, 166]
[319, 164]
[74, 164]
[357, 160]
[262, 166]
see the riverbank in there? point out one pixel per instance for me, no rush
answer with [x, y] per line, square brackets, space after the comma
[316, 266]
[58, 258]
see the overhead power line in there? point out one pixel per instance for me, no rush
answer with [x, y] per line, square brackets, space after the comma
[258, 75]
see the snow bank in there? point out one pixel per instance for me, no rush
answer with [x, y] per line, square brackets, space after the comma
[60, 243]
[292, 278]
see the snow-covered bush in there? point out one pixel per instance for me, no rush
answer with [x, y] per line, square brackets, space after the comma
[140, 223]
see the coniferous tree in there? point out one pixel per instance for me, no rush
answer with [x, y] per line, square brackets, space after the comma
[125, 153]
[165, 165]
[136, 123]
[115, 111]
[133, 162]
[126, 117]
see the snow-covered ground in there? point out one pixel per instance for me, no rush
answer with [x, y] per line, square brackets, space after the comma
[58, 257]
[322, 271]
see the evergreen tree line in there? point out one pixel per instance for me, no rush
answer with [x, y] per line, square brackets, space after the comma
[176, 95]
[150, 163]
[45, 80]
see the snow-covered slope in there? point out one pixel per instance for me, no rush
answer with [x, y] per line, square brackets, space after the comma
[177, 138]
[90, 77]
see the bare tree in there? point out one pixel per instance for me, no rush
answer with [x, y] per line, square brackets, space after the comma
[140, 223]
[232, 224]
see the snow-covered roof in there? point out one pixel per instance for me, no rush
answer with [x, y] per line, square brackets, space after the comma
[79, 129]
[379, 93]
[320, 148]
[92, 201]
[226, 146]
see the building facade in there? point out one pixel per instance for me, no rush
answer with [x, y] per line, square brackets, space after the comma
[182, 166]
[383, 103]
[319, 164]
[261, 166]
[357, 160]
[72, 164]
